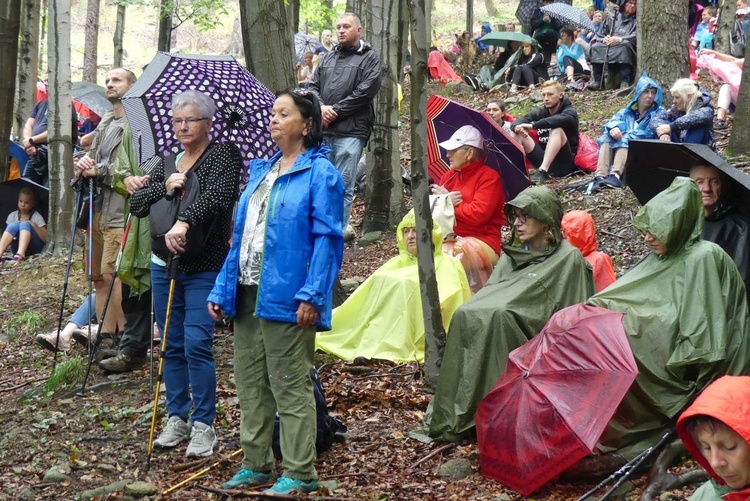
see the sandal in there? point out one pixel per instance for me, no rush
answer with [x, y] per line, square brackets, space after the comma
[18, 258]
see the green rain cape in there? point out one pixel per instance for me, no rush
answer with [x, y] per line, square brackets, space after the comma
[686, 317]
[525, 289]
[135, 264]
[383, 317]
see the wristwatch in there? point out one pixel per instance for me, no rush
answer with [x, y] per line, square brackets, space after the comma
[31, 141]
[183, 219]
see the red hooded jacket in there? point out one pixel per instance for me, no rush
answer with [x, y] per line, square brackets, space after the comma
[728, 400]
[578, 227]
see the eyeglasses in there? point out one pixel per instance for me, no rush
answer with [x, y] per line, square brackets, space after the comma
[521, 217]
[179, 122]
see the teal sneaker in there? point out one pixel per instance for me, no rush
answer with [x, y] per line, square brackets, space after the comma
[246, 477]
[286, 485]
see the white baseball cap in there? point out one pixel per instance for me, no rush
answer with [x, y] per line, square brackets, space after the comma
[465, 136]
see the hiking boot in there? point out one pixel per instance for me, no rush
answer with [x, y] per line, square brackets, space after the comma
[175, 431]
[202, 441]
[246, 478]
[286, 485]
[122, 363]
[105, 354]
[540, 176]
[611, 181]
[49, 339]
[81, 336]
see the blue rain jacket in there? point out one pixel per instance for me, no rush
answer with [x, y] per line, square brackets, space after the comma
[627, 118]
[304, 242]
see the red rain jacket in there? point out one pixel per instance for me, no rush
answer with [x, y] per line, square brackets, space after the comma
[728, 400]
[578, 227]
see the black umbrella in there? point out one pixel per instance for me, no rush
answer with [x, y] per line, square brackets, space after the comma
[652, 165]
[9, 198]
[93, 96]
[567, 14]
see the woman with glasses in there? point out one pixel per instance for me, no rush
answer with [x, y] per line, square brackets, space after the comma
[476, 193]
[538, 274]
[277, 283]
[189, 361]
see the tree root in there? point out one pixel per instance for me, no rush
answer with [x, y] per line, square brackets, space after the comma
[659, 480]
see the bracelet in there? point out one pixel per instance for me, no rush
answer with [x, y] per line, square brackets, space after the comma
[31, 141]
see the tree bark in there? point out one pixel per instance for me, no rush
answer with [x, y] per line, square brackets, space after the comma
[10, 25]
[90, 58]
[292, 11]
[384, 195]
[491, 9]
[724, 23]
[739, 142]
[268, 43]
[662, 41]
[433, 323]
[28, 61]
[118, 36]
[60, 144]
[165, 26]
[470, 17]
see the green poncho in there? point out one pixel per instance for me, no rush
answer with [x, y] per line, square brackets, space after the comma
[685, 314]
[383, 317]
[525, 289]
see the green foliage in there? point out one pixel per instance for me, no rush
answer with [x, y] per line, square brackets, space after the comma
[205, 14]
[24, 322]
[67, 372]
[317, 16]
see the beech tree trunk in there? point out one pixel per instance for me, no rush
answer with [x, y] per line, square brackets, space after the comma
[268, 42]
[118, 36]
[433, 323]
[470, 17]
[739, 142]
[384, 197]
[60, 143]
[90, 52]
[292, 11]
[491, 9]
[165, 26]
[27, 64]
[10, 25]
[724, 24]
[662, 41]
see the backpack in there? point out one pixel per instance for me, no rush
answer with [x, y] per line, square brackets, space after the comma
[737, 39]
[328, 427]
[164, 212]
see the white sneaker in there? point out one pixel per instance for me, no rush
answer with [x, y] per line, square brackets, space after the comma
[175, 431]
[202, 441]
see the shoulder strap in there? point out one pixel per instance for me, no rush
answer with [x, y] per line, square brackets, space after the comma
[170, 165]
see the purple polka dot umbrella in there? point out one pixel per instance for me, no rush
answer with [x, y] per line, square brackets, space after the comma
[243, 104]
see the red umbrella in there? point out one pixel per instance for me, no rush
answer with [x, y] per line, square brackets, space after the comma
[555, 398]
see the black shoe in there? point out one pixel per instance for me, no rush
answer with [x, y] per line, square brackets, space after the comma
[540, 176]
[483, 86]
[472, 82]
[611, 181]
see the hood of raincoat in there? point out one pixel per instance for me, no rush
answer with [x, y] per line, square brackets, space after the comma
[578, 226]
[487, 27]
[646, 82]
[674, 216]
[726, 399]
[540, 203]
[410, 221]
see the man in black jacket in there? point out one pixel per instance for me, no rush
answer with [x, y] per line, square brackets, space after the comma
[556, 124]
[346, 82]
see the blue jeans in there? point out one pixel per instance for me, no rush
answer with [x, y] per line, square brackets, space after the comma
[345, 155]
[35, 244]
[189, 358]
[81, 316]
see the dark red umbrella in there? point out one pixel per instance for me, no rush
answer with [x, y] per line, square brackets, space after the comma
[555, 398]
[444, 117]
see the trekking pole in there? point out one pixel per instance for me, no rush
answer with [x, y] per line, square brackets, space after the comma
[79, 203]
[92, 352]
[151, 351]
[90, 253]
[625, 470]
[201, 473]
[172, 270]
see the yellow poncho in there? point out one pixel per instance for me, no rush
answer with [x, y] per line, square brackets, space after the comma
[383, 318]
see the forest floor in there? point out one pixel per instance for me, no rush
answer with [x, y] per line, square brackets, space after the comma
[98, 442]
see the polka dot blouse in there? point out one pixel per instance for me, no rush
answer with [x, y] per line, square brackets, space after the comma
[218, 177]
